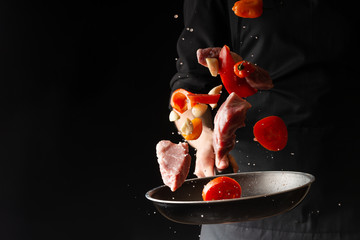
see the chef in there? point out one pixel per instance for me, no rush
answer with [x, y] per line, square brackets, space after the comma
[310, 50]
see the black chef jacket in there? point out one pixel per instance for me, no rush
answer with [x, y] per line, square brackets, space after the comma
[310, 49]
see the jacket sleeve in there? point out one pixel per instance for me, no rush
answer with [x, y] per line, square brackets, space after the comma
[206, 24]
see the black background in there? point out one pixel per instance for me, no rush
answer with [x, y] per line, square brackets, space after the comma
[84, 91]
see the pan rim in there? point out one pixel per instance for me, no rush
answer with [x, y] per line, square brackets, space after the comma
[310, 176]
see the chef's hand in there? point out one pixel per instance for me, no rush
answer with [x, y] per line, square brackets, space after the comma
[205, 157]
[205, 162]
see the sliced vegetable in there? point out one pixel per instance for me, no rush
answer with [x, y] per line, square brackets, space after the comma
[199, 109]
[248, 8]
[182, 100]
[173, 116]
[232, 82]
[213, 65]
[271, 132]
[179, 100]
[243, 69]
[187, 127]
[196, 129]
[221, 188]
[203, 98]
[214, 91]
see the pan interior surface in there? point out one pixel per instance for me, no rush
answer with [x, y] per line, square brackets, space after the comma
[264, 194]
[253, 184]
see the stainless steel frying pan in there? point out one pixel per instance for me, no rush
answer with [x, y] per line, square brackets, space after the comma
[264, 194]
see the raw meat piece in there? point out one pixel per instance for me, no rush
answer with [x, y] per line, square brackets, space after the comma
[260, 79]
[230, 116]
[203, 53]
[174, 161]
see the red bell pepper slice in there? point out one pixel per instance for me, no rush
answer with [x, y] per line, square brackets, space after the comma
[182, 100]
[248, 8]
[203, 98]
[179, 100]
[232, 82]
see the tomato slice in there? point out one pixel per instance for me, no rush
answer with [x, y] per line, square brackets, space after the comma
[271, 133]
[221, 188]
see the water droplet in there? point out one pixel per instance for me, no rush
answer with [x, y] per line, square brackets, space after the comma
[339, 204]
[243, 26]
[176, 16]
[202, 215]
